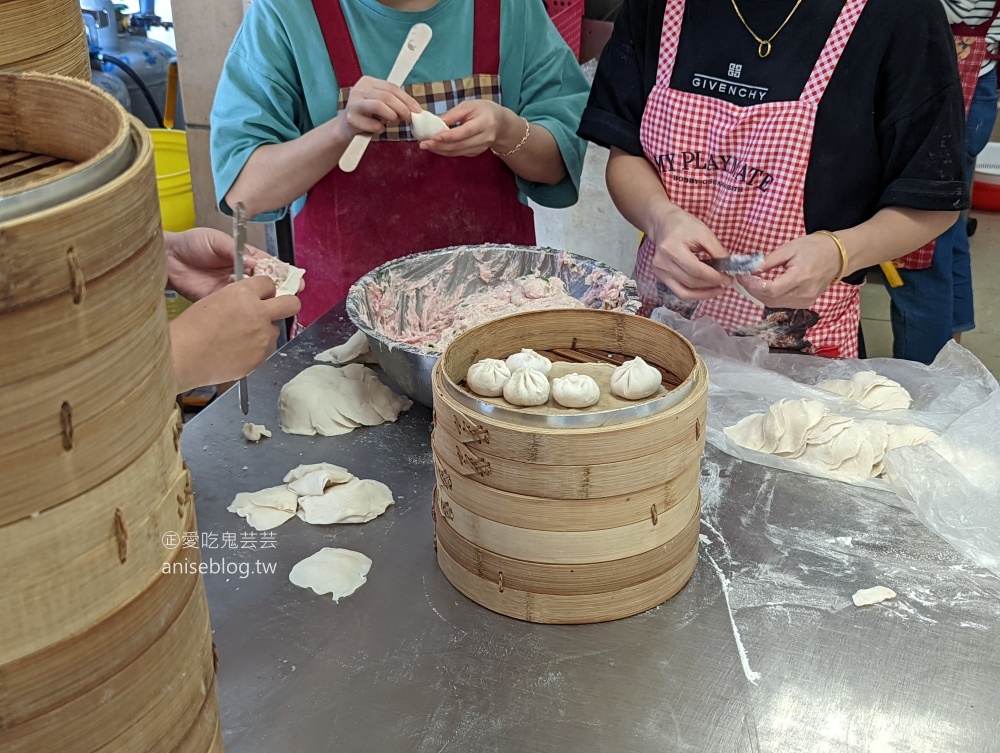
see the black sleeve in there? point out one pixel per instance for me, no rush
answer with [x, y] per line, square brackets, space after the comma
[920, 114]
[618, 96]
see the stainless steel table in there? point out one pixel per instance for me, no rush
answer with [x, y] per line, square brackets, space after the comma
[763, 651]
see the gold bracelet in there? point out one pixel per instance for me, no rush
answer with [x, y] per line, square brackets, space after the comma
[516, 149]
[843, 254]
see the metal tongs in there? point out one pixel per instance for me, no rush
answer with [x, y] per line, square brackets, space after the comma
[240, 236]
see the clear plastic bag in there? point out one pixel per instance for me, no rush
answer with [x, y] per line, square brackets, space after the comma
[951, 485]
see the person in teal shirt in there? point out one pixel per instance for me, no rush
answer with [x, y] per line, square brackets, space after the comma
[303, 77]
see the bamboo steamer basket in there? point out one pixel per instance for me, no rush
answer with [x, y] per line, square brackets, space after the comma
[88, 581]
[32, 27]
[569, 524]
[148, 706]
[71, 60]
[106, 638]
[63, 270]
[58, 140]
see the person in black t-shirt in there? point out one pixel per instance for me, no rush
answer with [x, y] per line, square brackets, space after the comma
[829, 136]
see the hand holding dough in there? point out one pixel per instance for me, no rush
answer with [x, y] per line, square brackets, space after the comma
[338, 572]
[286, 277]
[426, 125]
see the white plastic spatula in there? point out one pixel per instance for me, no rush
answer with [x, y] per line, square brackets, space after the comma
[416, 42]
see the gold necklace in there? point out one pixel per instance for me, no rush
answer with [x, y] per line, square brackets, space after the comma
[764, 45]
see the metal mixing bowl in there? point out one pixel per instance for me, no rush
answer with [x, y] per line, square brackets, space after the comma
[461, 269]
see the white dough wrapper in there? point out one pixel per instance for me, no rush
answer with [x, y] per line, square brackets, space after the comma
[338, 572]
[331, 401]
[357, 501]
[254, 432]
[286, 278]
[871, 390]
[868, 596]
[337, 474]
[426, 125]
[266, 509]
[356, 348]
[316, 483]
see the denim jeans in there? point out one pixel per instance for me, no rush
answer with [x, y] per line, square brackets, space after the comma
[935, 304]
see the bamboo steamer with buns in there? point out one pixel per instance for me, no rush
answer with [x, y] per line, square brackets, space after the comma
[45, 36]
[106, 638]
[561, 515]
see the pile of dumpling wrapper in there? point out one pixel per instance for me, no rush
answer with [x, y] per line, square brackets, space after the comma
[331, 401]
[805, 430]
[320, 494]
[523, 380]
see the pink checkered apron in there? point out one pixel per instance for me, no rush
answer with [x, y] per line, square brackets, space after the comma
[742, 171]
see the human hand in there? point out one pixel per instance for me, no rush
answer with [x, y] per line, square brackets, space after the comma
[372, 104]
[810, 264]
[677, 235]
[200, 261]
[228, 334]
[485, 125]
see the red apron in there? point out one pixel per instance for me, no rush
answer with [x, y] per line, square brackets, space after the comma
[970, 45]
[352, 223]
[742, 171]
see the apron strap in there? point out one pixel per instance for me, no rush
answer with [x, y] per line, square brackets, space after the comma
[983, 30]
[670, 37]
[338, 40]
[486, 38]
[344, 56]
[822, 72]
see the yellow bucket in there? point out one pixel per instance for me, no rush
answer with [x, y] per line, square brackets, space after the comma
[173, 179]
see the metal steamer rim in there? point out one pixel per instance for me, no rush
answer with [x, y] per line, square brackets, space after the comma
[74, 185]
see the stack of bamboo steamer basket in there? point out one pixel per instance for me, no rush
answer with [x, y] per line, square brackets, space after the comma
[556, 524]
[46, 36]
[106, 639]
